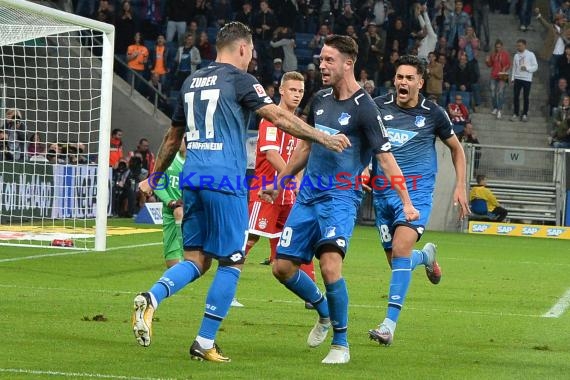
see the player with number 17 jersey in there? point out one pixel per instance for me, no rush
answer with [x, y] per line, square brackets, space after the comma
[216, 104]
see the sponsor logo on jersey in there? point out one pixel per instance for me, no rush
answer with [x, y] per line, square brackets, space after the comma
[327, 130]
[420, 121]
[388, 117]
[271, 134]
[260, 90]
[319, 112]
[399, 137]
[344, 118]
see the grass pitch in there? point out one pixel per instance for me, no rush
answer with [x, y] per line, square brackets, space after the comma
[67, 315]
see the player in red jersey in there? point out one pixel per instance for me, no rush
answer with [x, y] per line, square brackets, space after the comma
[274, 149]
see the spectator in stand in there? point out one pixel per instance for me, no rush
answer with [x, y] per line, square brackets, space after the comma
[54, 154]
[15, 130]
[187, 60]
[177, 12]
[458, 23]
[464, 75]
[105, 12]
[36, 148]
[493, 209]
[371, 49]
[313, 84]
[416, 29]
[481, 19]
[287, 13]
[319, 39]
[151, 18]
[459, 115]
[469, 137]
[137, 58]
[205, 48]
[524, 65]
[159, 62]
[564, 9]
[5, 153]
[428, 43]
[192, 29]
[202, 10]
[525, 14]
[500, 64]
[389, 71]
[85, 8]
[285, 40]
[442, 20]
[221, 13]
[263, 26]
[245, 16]
[559, 134]
[553, 48]
[564, 64]
[448, 75]
[434, 70]
[124, 32]
[442, 47]
[351, 32]
[397, 37]
[469, 44]
[557, 93]
[146, 156]
[277, 72]
[362, 78]
[346, 18]
[116, 151]
[370, 88]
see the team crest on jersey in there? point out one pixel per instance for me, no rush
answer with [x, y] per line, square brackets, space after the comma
[330, 232]
[260, 90]
[327, 130]
[262, 224]
[420, 121]
[399, 137]
[344, 118]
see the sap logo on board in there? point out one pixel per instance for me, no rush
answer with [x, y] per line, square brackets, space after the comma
[554, 232]
[480, 227]
[505, 229]
[529, 231]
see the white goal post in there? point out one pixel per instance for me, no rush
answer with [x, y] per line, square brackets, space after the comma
[56, 80]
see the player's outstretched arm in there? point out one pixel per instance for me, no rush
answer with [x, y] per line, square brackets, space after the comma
[295, 126]
[398, 183]
[458, 158]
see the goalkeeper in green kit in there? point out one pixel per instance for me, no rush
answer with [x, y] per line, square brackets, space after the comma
[167, 189]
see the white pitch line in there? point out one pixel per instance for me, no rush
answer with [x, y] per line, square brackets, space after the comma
[560, 307]
[76, 374]
[76, 252]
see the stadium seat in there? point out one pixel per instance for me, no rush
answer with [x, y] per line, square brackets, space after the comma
[302, 40]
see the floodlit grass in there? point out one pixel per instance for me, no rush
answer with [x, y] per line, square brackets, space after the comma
[482, 321]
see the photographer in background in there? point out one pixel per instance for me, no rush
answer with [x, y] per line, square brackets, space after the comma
[124, 186]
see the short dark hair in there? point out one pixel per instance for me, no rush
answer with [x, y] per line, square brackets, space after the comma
[412, 60]
[522, 41]
[115, 131]
[231, 32]
[480, 178]
[344, 44]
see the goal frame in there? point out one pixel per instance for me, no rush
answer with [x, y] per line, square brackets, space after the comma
[106, 90]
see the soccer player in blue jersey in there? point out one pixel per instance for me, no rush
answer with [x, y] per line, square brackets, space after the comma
[322, 220]
[213, 112]
[413, 123]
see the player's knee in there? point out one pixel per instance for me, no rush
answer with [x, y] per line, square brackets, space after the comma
[283, 269]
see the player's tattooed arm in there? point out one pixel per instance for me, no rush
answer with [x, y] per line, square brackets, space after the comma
[168, 148]
[295, 126]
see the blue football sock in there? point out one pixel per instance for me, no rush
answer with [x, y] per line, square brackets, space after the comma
[174, 279]
[302, 285]
[337, 296]
[399, 283]
[418, 257]
[218, 300]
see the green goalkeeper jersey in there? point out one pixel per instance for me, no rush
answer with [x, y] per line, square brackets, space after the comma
[172, 191]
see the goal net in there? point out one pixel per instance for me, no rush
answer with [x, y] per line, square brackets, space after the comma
[55, 105]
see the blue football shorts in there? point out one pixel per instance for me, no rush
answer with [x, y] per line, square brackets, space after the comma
[390, 214]
[215, 222]
[311, 226]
